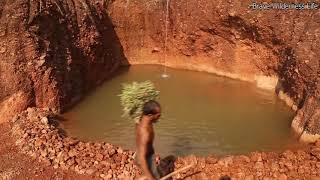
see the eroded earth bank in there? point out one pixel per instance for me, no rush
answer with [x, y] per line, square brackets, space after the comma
[53, 52]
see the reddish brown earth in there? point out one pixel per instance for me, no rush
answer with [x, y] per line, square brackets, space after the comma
[230, 39]
[301, 164]
[53, 52]
[16, 165]
[36, 133]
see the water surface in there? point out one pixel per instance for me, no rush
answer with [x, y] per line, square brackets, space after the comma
[202, 114]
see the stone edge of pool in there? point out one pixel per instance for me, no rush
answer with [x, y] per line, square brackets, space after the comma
[38, 135]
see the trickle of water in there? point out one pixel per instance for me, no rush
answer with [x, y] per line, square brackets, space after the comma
[164, 75]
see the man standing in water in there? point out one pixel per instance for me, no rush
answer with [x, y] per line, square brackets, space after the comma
[144, 140]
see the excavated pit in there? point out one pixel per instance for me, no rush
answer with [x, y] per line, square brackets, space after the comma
[54, 52]
[202, 114]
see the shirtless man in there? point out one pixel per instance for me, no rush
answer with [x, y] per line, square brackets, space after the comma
[144, 139]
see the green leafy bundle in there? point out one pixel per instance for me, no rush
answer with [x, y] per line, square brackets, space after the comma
[133, 97]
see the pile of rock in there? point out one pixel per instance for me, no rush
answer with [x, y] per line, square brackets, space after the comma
[291, 164]
[38, 135]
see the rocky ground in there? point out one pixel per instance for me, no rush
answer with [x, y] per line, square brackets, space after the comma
[38, 135]
[53, 52]
[50, 153]
[300, 164]
[16, 165]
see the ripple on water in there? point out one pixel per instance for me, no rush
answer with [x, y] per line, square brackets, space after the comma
[202, 114]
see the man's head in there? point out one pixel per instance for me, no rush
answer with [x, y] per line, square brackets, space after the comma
[152, 109]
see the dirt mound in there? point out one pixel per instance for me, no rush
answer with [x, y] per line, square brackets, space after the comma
[16, 165]
[36, 133]
[53, 52]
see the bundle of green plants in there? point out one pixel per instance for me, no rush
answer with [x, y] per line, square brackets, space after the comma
[133, 97]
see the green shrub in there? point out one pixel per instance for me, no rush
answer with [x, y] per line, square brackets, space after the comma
[133, 97]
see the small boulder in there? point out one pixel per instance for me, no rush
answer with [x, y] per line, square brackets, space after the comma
[315, 152]
[226, 161]
[99, 157]
[256, 157]
[283, 177]
[38, 142]
[155, 50]
[44, 153]
[3, 50]
[120, 150]
[47, 162]
[112, 152]
[45, 120]
[90, 171]
[259, 165]
[317, 143]
[211, 160]
[71, 162]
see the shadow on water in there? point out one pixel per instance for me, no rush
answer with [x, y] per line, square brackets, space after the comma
[182, 141]
[119, 71]
[56, 122]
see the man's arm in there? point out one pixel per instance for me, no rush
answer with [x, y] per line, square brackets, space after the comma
[142, 153]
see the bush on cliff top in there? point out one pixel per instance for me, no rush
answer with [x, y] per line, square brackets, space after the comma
[133, 97]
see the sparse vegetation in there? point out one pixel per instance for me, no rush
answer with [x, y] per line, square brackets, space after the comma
[134, 95]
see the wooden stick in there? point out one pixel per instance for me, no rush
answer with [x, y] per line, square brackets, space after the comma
[176, 172]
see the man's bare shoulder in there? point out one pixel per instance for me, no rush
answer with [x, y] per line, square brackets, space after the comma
[144, 133]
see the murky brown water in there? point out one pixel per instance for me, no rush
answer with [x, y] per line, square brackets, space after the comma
[202, 114]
